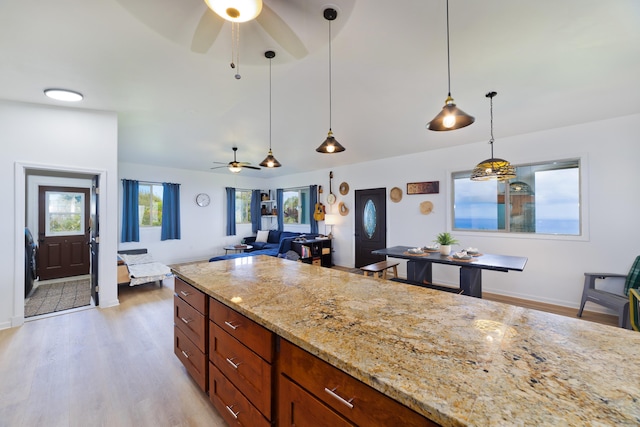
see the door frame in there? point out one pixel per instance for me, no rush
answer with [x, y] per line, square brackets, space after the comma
[20, 199]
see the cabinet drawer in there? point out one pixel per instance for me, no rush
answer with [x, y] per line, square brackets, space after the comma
[191, 357]
[298, 408]
[191, 322]
[194, 297]
[355, 400]
[245, 369]
[232, 405]
[245, 330]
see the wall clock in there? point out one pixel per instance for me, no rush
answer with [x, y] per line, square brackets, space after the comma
[203, 200]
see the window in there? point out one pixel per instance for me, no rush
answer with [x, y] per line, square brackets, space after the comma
[543, 199]
[150, 205]
[243, 206]
[65, 213]
[296, 205]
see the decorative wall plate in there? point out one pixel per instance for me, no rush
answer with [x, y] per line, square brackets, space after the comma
[395, 194]
[343, 209]
[426, 207]
[344, 188]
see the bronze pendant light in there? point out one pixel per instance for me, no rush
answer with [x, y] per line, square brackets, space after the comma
[330, 145]
[270, 161]
[493, 168]
[451, 117]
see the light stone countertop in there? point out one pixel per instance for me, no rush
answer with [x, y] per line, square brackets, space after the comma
[455, 359]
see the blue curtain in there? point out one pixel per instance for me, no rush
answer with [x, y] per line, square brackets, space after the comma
[313, 192]
[231, 211]
[130, 222]
[256, 217]
[279, 202]
[170, 211]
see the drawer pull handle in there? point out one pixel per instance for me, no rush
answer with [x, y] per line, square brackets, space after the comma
[235, 365]
[234, 414]
[185, 354]
[340, 398]
[185, 294]
[187, 321]
[231, 325]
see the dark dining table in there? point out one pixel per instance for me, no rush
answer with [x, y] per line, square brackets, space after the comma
[420, 267]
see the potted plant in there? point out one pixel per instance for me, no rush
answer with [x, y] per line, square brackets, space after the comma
[445, 240]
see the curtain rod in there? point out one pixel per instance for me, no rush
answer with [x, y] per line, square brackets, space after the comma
[148, 182]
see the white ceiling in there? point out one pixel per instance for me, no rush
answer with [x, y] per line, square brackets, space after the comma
[553, 64]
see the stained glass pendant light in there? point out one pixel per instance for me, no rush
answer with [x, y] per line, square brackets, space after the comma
[451, 117]
[330, 145]
[270, 161]
[493, 168]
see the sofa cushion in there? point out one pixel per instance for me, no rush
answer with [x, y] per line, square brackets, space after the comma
[274, 236]
[262, 236]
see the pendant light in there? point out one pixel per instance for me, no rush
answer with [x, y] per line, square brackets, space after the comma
[270, 161]
[451, 117]
[493, 168]
[330, 145]
[236, 10]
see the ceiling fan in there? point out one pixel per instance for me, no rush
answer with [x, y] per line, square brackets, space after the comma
[235, 166]
[296, 25]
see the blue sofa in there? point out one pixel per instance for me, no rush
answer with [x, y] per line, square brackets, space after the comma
[278, 244]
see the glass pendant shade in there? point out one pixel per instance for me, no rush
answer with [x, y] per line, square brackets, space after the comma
[494, 168]
[330, 145]
[450, 118]
[270, 161]
[236, 10]
[235, 169]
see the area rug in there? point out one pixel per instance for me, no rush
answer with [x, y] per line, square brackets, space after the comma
[52, 297]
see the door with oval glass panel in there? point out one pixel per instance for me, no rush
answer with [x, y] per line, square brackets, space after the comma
[370, 225]
[63, 232]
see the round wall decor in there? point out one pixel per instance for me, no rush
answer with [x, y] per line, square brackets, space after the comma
[426, 207]
[344, 188]
[395, 194]
[203, 199]
[343, 209]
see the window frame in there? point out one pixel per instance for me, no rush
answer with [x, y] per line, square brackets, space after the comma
[300, 190]
[583, 165]
[238, 197]
[151, 195]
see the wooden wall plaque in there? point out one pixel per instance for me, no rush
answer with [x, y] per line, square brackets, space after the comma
[429, 187]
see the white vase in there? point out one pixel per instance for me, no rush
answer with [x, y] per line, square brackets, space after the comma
[445, 249]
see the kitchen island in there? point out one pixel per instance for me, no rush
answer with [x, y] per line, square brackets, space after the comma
[454, 359]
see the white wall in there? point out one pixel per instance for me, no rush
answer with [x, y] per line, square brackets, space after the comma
[554, 272]
[203, 229]
[38, 137]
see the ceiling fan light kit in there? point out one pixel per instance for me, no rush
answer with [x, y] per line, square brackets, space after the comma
[451, 117]
[236, 10]
[493, 168]
[270, 161]
[235, 166]
[330, 145]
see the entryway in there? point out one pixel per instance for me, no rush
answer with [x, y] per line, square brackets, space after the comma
[370, 225]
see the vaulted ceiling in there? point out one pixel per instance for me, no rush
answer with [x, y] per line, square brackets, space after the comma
[163, 66]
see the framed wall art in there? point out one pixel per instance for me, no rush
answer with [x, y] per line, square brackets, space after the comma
[429, 187]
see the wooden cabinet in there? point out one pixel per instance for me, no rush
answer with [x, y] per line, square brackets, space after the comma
[241, 353]
[316, 252]
[353, 400]
[190, 319]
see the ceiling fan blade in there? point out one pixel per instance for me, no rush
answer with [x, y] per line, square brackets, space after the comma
[219, 167]
[281, 32]
[250, 167]
[206, 32]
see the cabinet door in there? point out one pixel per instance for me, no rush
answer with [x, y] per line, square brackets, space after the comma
[191, 357]
[297, 408]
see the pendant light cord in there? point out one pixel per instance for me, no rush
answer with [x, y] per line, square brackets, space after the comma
[491, 95]
[448, 54]
[269, 105]
[329, 75]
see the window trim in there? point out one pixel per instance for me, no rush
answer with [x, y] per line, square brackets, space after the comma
[583, 161]
[151, 184]
[237, 190]
[299, 189]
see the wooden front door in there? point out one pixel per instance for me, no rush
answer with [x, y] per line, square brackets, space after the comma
[63, 232]
[370, 225]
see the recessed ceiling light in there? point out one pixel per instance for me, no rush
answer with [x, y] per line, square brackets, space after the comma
[63, 95]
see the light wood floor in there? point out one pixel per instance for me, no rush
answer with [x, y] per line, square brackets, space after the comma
[101, 367]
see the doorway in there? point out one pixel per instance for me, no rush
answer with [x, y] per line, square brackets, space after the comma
[61, 212]
[370, 225]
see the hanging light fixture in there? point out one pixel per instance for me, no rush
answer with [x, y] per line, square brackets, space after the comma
[493, 168]
[330, 145]
[451, 117]
[236, 10]
[270, 161]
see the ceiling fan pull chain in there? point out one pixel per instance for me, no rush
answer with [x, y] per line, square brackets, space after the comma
[235, 48]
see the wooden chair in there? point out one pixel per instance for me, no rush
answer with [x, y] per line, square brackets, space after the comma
[618, 302]
[381, 267]
[634, 309]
